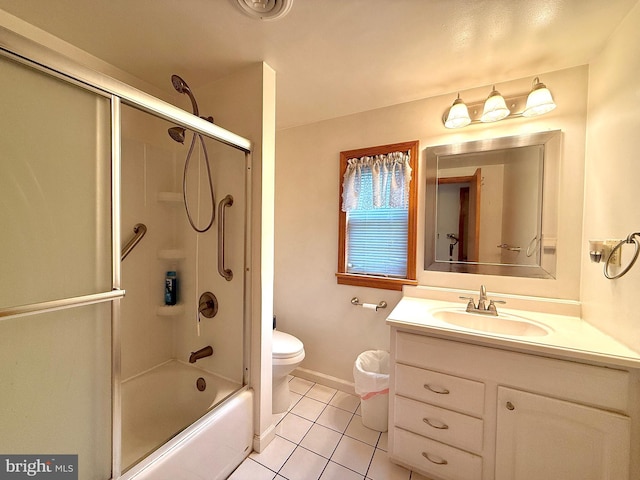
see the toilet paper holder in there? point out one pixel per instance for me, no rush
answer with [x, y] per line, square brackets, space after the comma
[356, 301]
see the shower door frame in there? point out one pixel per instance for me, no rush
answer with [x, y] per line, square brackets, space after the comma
[36, 55]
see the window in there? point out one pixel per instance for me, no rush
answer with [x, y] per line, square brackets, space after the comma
[377, 220]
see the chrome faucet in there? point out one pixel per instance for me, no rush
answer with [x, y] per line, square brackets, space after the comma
[482, 300]
[482, 306]
[198, 354]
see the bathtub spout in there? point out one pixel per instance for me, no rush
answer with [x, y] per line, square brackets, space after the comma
[198, 354]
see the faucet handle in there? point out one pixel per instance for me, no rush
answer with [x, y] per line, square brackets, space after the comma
[492, 306]
[470, 305]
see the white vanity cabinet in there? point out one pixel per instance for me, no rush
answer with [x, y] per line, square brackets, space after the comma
[460, 411]
[541, 437]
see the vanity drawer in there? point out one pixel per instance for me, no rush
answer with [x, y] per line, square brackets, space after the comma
[439, 424]
[591, 385]
[447, 391]
[435, 458]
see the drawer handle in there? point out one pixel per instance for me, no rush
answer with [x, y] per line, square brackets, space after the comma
[438, 390]
[437, 461]
[439, 425]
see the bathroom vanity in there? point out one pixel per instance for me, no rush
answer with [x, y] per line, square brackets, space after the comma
[560, 400]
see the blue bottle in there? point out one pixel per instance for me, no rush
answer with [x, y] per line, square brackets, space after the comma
[171, 288]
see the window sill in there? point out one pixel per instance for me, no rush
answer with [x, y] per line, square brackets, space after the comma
[373, 282]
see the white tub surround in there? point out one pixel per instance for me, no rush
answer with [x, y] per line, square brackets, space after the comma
[211, 447]
[472, 405]
[151, 414]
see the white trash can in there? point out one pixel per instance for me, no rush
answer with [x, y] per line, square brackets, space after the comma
[371, 375]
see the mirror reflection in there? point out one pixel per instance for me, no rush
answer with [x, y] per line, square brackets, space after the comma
[494, 206]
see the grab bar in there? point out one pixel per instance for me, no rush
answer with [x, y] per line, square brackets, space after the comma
[224, 272]
[509, 247]
[139, 230]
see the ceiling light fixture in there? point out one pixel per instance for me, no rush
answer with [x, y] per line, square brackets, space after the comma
[496, 107]
[264, 9]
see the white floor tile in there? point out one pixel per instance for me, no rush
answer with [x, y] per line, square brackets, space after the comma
[383, 442]
[353, 454]
[345, 401]
[417, 476]
[338, 472]
[300, 385]
[251, 470]
[358, 431]
[321, 393]
[295, 398]
[276, 453]
[335, 418]
[308, 408]
[303, 465]
[382, 469]
[321, 440]
[277, 417]
[293, 427]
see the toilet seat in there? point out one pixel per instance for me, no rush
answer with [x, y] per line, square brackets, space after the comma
[285, 346]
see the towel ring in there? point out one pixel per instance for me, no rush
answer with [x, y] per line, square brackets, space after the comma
[533, 244]
[632, 238]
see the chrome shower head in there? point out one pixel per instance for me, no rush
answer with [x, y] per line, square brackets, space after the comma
[181, 87]
[179, 84]
[177, 133]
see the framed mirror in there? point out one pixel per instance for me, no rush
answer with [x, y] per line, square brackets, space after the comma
[491, 206]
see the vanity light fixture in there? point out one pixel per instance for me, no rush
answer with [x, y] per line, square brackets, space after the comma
[458, 115]
[539, 100]
[496, 107]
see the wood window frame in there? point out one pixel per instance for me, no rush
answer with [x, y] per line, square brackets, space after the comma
[375, 281]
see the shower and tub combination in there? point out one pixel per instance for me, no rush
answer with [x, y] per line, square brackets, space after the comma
[130, 385]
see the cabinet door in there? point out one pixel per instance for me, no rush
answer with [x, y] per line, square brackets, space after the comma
[543, 438]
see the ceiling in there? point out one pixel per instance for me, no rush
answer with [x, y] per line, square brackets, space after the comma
[335, 57]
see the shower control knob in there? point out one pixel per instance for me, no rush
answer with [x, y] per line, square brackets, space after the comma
[208, 305]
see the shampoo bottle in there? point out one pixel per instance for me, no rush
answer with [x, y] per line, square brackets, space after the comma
[171, 288]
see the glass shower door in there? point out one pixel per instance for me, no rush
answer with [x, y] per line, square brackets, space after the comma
[55, 250]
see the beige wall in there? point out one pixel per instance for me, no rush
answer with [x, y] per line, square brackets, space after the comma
[612, 174]
[244, 103]
[308, 301]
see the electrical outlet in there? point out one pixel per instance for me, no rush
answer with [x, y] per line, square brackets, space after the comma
[615, 258]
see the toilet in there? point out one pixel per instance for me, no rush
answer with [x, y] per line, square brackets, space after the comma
[287, 353]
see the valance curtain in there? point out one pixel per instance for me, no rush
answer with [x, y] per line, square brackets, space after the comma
[377, 182]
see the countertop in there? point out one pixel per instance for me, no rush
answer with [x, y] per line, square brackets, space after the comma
[570, 338]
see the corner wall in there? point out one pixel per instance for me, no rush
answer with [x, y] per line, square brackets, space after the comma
[244, 103]
[612, 174]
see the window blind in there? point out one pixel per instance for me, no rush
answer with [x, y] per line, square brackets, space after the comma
[377, 241]
[377, 232]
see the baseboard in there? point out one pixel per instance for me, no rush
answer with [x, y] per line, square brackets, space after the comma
[260, 442]
[327, 380]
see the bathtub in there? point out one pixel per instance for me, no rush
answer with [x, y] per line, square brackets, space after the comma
[219, 428]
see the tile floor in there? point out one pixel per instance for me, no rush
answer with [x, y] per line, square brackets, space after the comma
[322, 437]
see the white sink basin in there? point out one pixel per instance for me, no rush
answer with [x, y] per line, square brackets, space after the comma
[503, 324]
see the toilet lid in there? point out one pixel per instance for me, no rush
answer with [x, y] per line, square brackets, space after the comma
[285, 345]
